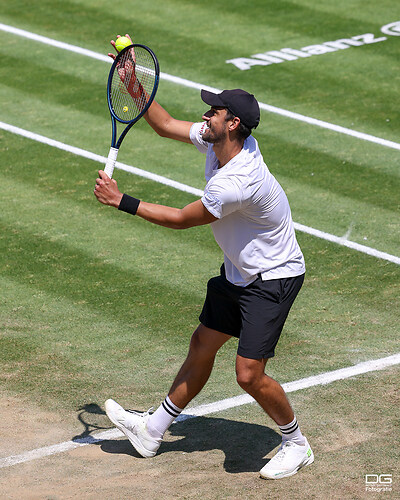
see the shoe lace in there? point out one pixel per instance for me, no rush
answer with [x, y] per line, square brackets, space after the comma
[282, 450]
[142, 413]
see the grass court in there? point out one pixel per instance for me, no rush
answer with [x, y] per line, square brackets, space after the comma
[98, 304]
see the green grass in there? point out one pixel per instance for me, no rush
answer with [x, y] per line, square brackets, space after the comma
[85, 302]
[95, 303]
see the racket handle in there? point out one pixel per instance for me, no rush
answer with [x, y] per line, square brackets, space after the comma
[110, 164]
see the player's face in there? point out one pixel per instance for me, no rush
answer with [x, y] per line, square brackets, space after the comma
[217, 125]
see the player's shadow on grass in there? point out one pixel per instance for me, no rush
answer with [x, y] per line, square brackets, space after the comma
[244, 444]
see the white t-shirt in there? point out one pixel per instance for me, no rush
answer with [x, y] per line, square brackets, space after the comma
[255, 227]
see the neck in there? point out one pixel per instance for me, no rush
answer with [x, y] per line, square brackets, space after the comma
[227, 150]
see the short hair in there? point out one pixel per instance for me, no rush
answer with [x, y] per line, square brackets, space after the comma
[243, 130]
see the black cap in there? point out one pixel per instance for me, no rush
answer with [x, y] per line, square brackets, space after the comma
[239, 102]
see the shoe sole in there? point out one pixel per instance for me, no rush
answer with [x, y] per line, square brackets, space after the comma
[132, 437]
[306, 462]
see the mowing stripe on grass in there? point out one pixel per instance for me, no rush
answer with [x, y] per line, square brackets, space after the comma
[199, 86]
[98, 158]
[189, 189]
[224, 404]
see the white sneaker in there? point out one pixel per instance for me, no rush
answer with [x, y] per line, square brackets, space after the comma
[133, 425]
[290, 458]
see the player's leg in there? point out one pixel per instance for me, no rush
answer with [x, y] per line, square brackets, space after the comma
[144, 430]
[265, 306]
[294, 451]
[190, 380]
[197, 367]
[268, 393]
[219, 315]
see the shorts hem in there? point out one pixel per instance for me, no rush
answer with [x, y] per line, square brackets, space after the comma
[248, 355]
[207, 325]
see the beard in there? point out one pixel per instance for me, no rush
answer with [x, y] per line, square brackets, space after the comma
[212, 136]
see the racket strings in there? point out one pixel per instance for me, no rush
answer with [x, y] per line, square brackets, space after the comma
[132, 83]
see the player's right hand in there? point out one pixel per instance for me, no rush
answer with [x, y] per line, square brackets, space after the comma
[106, 190]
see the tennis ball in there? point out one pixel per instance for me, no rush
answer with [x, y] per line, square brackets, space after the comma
[125, 109]
[122, 42]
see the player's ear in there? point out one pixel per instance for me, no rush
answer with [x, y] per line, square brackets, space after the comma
[234, 123]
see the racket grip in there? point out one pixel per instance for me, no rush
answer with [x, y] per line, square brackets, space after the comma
[110, 164]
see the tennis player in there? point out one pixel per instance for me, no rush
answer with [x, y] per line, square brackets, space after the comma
[262, 273]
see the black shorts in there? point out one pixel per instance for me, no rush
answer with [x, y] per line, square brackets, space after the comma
[255, 314]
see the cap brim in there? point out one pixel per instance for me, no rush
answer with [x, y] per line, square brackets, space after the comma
[211, 99]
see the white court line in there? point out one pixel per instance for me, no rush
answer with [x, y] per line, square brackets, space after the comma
[199, 86]
[98, 158]
[189, 189]
[224, 404]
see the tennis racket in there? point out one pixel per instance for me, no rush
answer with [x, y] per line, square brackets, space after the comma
[131, 87]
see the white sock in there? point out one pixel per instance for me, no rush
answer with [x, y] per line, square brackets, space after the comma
[292, 432]
[162, 418]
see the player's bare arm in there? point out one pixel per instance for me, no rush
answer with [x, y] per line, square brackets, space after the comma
[167, 126]
[194, 214]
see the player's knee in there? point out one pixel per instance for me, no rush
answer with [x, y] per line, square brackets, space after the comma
[195, 341]
[249, 374]
[245, 378]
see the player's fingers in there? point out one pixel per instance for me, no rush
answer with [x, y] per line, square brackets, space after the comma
[113, 44]
[104, 176]
[100, 183]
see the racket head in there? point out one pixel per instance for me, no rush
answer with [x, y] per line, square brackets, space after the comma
[132, 83]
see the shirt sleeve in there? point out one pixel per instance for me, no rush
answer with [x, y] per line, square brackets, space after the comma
[221, 197]
[196, 133]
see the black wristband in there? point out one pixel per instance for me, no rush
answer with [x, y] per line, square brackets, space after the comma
[129, 204]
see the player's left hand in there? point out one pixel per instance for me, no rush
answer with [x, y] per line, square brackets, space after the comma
[112, 55]
[106, 190]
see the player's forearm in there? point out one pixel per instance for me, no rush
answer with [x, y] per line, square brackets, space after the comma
[162, 215]
[157, 117]
[156, 214]
[165, 125]
[194, 214]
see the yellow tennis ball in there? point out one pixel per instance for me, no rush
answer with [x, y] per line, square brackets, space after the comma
[125, 109]
[122, 42]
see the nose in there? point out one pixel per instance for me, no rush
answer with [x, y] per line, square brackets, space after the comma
[207, 115]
